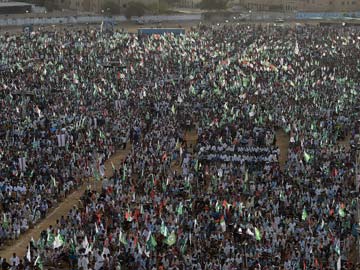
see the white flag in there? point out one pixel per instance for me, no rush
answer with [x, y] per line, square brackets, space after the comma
[28, 254]
[61, 140]
[85, 242]
[338, 265]
[249, 232]
[22, 164]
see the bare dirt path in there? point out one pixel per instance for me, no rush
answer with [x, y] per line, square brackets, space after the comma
[19, 246]
[282, 141]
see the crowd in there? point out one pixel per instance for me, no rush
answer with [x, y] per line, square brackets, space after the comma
[70, 99]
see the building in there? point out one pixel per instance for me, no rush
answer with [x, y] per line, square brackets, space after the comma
[96, 5]
[329, 5]
[302, 5]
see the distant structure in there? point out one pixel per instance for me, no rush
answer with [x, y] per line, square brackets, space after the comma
[302, 5]
[96, 5]
[253, 5]
[10, 7]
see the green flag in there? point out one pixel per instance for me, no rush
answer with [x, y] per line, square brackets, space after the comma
[124, 172]
[50, 239]
[122, 238]
[58, 241]
[246, 178]
[97, 175]
[171, 239]
[102, 135]
[38, 263]
[5, 223]
[179, 209]
[183, 247]
[196, 167]
[307, 157]
[152, 241]
[304, 215]
[257, 234]
[173, 110]
[341, 210]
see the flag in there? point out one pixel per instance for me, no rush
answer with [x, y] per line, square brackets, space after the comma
[58, 241]
[28, 254]
[96, 229]
[304, 215]
[307, 157]
[179, 209]
[249, 232]
[338, 264]
[337, 247]
[61, 140]
[85, 242]
[96, 175]
[151, 243]
[223, 224]
[192, 89]
[5, 223]
[102, 135]
[173, 110]
[183, 247]
[196, 167]
[246, 178]
[38, 263]
[341, 210]
[124, 172]
[171, 239]
[296, 51]
[257, 234]
[225, 204]
[50, 239]
[122, 238]
[22, 164]
[217, 206]
[128, 216]
[163, 229]
[113, 166]
[282, 197]
[53, 181]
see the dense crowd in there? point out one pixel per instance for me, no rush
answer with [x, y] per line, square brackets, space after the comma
[70, 99]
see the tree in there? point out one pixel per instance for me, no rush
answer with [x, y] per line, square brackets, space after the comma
[111, 7]
[213, 4]
[135, 9]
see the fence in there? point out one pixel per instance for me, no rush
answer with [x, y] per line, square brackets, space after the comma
[326, 15]
[93, 19]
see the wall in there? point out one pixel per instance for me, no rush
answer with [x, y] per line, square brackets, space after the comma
[302, 5]
[93, 19]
